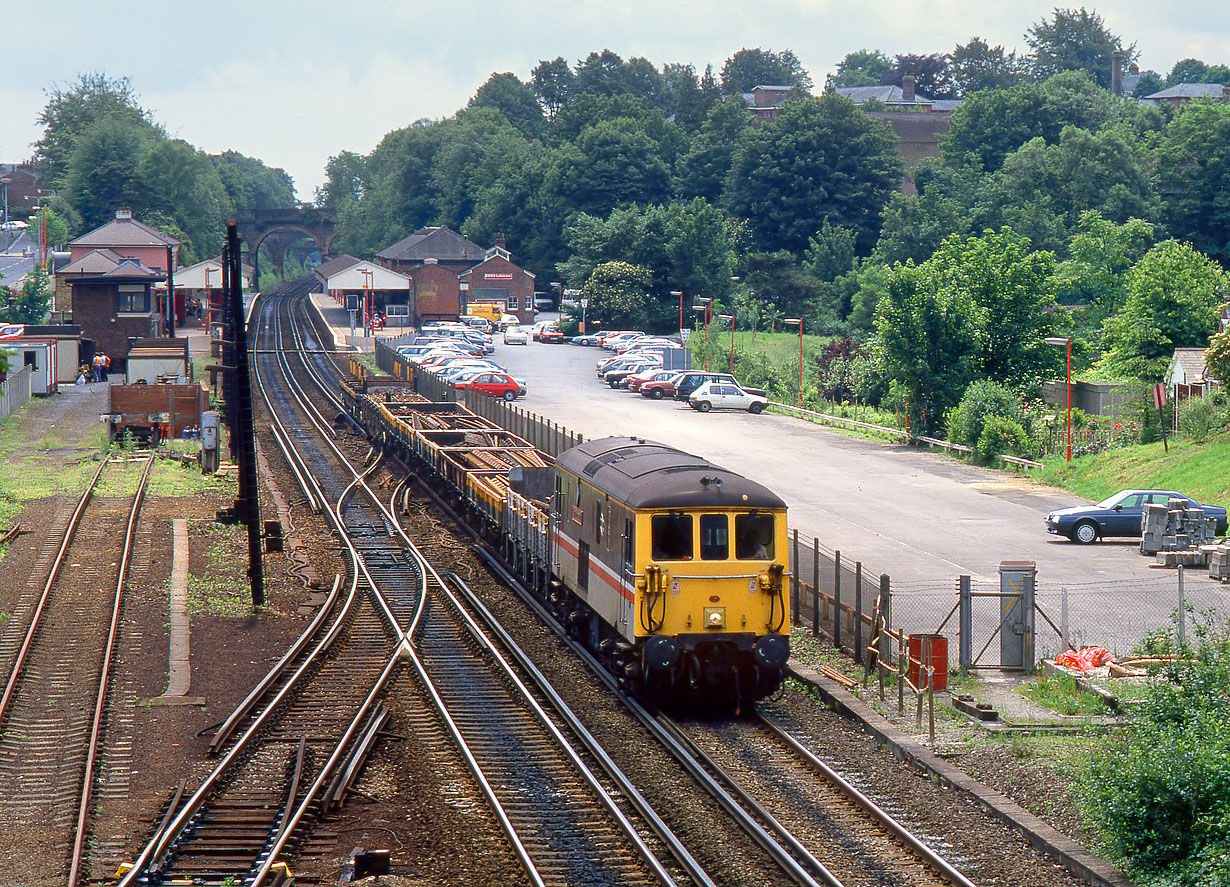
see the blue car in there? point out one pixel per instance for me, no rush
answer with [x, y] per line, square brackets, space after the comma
[1119, 515]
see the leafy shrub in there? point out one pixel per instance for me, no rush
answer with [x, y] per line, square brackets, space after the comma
[1001, 436]
[981, 400]
[1161, 791]
[1201, 417]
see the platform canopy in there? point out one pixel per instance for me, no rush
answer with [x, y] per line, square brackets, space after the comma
[364, 276]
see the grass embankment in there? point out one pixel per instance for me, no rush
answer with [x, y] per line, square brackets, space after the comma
[1196, 469]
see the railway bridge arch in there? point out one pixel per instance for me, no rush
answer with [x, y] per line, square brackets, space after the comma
[277, 229]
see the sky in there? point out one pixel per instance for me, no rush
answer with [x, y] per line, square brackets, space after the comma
[296, 83]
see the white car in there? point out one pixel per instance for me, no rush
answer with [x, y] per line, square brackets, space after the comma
[725, 396]
[516, 335]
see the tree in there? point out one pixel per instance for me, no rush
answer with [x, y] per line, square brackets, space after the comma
[749, 68]
[685, 246]
[1076, 40]
[1149, 83]
[31, 303]
[778, 279]
[929, 341]
[606, 74]
[1196, 71]
[345, 180]
[866, 67]
[103, 168]
[72, 110]
[932, 74]
[702, 170]
[253, 185]
[551, 82]
[1217, 357]
[515, 100]
[612, 163]
[618, 294]
[1100, 254]
[690, 107]
[978, 65]
[821, 160]
[992, 124]
[183, 184]
[1010, 284]
[471, 150]
[1193, 177]
[1174, 298]
[1041, 190]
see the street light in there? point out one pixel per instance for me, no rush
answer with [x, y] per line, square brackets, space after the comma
[367, 300]
[708, 304]
[731, 318]
[209, 297]
[679, 293]
[1066, 341]
[799, 321]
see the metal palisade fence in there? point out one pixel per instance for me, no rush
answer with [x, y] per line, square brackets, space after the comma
[15, 390]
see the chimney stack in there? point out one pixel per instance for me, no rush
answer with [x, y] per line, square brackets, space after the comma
[501, 242]
[907, 88]
[123, 212]
[1116, 73]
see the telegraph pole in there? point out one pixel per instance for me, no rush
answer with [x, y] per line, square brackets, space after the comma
[248, 506]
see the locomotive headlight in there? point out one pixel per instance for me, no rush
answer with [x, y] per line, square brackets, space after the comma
[715, 617]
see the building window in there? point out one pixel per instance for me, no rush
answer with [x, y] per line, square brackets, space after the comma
[133, 299]
[512, 303]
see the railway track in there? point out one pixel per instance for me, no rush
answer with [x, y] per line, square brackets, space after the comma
[53, 705]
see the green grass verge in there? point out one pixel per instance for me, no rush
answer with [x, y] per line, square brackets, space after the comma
[1196, 469]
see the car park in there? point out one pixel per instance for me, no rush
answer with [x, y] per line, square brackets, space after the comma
[495, 384]
[1119, 515]
[726, 396]
[516, 335]
[658, 389]
[615, 377]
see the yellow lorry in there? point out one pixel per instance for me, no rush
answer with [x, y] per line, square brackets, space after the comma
[493, 311]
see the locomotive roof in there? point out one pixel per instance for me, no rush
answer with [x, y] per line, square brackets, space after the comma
[646, 474]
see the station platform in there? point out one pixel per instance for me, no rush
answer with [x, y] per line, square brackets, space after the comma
[337, 319]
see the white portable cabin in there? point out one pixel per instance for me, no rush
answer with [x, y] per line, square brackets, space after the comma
[40, 355]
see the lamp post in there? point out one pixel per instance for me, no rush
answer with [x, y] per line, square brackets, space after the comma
[679, 293]
[731, 318]
[209, 297]
[1066, 342]
[367, 300]
[708, 303]
[799, 322]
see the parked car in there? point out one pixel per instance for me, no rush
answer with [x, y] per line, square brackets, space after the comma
[1119, 515]
[548, 332]
[653, 374]
[693, 379]
[516, 335]
[726, 396]
[610, 342]
[660, 388]
[616, 377]
[495, 385]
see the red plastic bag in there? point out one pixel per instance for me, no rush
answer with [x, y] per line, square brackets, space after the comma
[1087, 659]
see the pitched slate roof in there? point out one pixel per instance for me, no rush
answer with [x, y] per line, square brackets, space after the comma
[1190, 91]
[125, 232]
[889, 95]
[1191, 362]
[105, 263]
[338, 263]
[443, 244]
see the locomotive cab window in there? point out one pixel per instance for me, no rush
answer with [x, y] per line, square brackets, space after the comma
[753, 536]
[714, 537]
[671, 537]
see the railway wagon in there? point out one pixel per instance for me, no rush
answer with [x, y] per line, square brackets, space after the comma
[680, 565]
[668, 567]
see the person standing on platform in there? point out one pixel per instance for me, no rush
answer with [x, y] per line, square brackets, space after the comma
[106, 365]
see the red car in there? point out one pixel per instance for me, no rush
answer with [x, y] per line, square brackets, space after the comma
[654, 374]
[660, 388]
[494, 385]
[550, 334]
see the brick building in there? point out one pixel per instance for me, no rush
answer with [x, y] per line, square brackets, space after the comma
[435, 293]
[497, 279]
[442, 246]
[123, 237]
[113, 302]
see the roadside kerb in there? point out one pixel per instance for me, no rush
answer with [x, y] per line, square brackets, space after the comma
[1042, 836]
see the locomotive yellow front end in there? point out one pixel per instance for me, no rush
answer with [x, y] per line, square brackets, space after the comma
[711, 599]
[681, 566]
